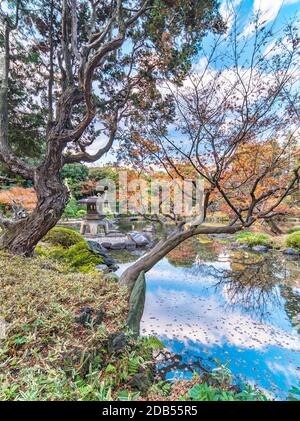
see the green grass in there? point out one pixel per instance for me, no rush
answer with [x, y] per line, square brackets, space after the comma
[253, 239]
[46, 354]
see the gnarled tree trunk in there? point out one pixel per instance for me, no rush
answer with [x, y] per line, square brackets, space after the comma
[21, 237]
[164, 246]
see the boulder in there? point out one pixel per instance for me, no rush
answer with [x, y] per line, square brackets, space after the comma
[291, 252]
[140, 239]
[260, 249]
[140, 382]
[118, 342]
[102, 268]
[106, 244]
[113, 268]
[97, 248]
[88, 315]
[85, 316]
[109, 261]
[119, 245]
[130, 245]
[244, 247]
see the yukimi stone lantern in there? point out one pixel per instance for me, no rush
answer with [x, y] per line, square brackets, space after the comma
[95, 224]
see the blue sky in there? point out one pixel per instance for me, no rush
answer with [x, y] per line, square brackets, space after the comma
[275, 13]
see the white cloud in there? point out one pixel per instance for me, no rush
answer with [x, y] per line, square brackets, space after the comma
[227, 10]
[193, 319]
[269, 10]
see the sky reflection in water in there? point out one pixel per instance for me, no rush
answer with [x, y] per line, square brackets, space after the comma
[206, 303]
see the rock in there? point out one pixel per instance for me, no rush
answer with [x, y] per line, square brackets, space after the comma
[109, 261]
[291, 252]
[137, 304]
[140, 382]
[141, 240]
[115, 233]
[260, 249]
[85, 316]
[106, 244]
[97, 248]
[113, 268]
[118, 342]
[120, 245]
[100, 314]
[102, 268]
[243, 247]
[130, 245]
[112, 277]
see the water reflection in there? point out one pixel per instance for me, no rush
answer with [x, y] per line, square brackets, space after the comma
[206, 301]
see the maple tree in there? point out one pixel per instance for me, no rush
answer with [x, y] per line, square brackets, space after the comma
[235, 126]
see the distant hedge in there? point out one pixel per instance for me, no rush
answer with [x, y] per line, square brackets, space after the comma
[293, 240]
[253, 238]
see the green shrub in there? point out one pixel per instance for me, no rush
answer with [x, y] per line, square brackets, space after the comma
[293, 229]
[253, 239]
[65, 237]
[293, 240]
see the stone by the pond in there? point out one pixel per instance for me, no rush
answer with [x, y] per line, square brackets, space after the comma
[141, 240]
[102, 268]
[130, 245]
[116, 233]
[120, 245]
[109, 261]
[118, 342]
[260, 249]
[97, 248]
[106, 244]
[113, 268]
[291, 252]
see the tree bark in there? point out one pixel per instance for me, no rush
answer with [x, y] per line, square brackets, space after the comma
[164, 246]
[21, 237]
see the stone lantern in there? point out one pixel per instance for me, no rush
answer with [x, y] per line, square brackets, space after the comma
[94, 223]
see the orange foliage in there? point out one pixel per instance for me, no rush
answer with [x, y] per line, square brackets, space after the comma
[22, 196]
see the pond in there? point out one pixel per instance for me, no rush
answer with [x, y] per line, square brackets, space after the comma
[208, 302]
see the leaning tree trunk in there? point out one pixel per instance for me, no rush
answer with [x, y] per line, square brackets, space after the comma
[163, 247]
[21, 237]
